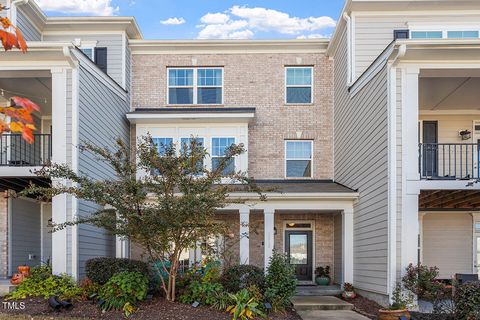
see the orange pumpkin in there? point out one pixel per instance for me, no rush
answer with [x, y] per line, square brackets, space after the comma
[24, 270]
[17, 278]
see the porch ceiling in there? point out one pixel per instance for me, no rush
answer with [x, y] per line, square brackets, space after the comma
[449, 199]
[20, 183]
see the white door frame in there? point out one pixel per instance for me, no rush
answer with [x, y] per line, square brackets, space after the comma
[312, 228]
[476, 236]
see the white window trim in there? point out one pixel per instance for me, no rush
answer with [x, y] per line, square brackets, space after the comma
[211, 151]
[444, 29]
[195, 86]
[286, 159]
[312, 86]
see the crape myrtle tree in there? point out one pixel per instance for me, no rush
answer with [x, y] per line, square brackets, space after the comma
[166, 210]
[20, 111]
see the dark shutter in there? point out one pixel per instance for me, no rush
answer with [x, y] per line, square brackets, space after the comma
[401, 34]
[101, 58]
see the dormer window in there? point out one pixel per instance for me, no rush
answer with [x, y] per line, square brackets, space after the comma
[462, 34]
[426, 35]
[89, 52]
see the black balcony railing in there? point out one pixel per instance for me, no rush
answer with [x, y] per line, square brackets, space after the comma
[449, 161]
[16, 152]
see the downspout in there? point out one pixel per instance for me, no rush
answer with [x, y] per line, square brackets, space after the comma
[348, 20]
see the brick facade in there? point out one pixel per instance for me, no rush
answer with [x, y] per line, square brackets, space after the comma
[256, 80]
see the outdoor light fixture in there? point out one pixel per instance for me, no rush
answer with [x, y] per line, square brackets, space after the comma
[195, 304]
[291, 224]
[54, 304]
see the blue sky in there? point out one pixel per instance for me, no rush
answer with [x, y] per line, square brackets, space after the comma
[213, 19]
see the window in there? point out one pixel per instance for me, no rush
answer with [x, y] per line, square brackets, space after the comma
[209, 89]
[400, 34]
[219, 147]
[195, 86]
[162, 144]
[180, 86]
[298, 85]
[89, 52]
[186, 144]
[427, 35]
[298, 156]
[462, 34]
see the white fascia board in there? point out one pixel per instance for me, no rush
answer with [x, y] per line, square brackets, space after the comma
[298, 195]
[152, 118]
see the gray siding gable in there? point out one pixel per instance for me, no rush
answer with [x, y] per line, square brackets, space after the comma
[28, 29]
[101, 121]
[361, 163]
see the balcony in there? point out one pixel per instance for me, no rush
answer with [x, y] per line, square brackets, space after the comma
[449, 161]
[16, 152]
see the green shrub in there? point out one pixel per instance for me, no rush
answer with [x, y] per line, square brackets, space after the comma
[244, 306]
[100, 270]
[41, 283]
[401, 299]
[124, 289]
[280, 282]
[204, 292]
[422, 281]
[467, 301]
[222, 300]
[240, 277]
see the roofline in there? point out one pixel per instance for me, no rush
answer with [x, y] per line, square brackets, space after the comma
[220, 46]
[167, 110]
[132, 28]
[340, 24]
[296, 195]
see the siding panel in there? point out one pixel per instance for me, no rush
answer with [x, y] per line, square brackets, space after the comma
[101, 121]
[28, 29]
[361, 163]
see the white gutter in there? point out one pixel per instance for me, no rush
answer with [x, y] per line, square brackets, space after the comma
[348, 20]
[402, 50]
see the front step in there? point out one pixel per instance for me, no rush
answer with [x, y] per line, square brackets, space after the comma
[318, 291]
[319, 303]
[6, 287]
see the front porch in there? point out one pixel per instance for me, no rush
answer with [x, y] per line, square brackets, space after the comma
[449, 224]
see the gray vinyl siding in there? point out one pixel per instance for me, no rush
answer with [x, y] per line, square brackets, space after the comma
[114, 44]
[101, 120]
[29, 31]
[25, 232]
[337, 250]
[374, 33]
[361, 163]
[3, 13]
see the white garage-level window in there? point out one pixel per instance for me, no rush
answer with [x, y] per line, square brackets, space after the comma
[219, 148]
[298, 159]
[298, 85]
[195, 86]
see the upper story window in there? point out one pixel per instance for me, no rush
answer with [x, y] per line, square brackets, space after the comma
[195, 86]
[462, 34]
[298, 158]
[298, 85]
[426, 35]
[219, 148]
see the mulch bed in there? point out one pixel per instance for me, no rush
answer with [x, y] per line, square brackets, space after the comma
[157, 308]
[364, 306]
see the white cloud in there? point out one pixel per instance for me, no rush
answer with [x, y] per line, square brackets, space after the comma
[230, 30]
[214, 18]
[90, 7]
[173, 21]
[241, 22]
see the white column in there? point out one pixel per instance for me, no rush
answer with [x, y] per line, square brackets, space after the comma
[347, 245]
[122, 247]
[410, 231]
[269, 225]
[420, 237]
[59, 155]
[244, 236]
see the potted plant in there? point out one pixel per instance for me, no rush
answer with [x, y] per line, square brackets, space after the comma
[348, 291]
[322, 276]
[399, 305]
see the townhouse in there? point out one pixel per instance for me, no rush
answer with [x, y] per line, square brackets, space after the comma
[369, 139]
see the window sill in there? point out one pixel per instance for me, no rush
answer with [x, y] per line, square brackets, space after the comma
[193, 105]
[298, 104]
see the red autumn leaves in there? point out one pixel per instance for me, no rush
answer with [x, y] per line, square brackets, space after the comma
[21, 120]
[20, 112]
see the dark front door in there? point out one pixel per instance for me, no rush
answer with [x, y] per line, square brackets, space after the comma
[430, 148]
[298, 245]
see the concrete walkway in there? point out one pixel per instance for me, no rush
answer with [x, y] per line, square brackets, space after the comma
[330, 314]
